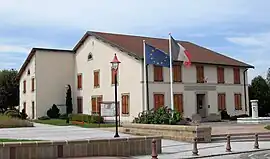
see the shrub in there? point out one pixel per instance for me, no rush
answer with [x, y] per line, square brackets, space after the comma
[9, 122]
[224, 115]
[44, 118]
[163, 115]
[13, 113]
[53, 112]
[63, 116]
[23, 114]
[87, 118]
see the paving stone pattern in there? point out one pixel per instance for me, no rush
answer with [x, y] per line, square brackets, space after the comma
[171, 149]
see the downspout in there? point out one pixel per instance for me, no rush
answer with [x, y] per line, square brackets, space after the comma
[245, 89]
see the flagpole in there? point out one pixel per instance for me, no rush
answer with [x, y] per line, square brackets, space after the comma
[144, 76]
[171, 72]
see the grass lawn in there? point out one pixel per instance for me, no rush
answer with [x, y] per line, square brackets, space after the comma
[62, 122]
[15, 140]
[267, 127]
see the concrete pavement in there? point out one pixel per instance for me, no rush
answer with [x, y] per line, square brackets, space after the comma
[171, 149]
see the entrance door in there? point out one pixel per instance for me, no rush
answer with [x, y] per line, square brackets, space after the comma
[201, 109]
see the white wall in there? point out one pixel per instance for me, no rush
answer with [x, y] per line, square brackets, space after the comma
[29, 96]
[54, 70]
[189, 96]
[129, 76]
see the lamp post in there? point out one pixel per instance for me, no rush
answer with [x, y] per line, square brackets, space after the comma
[115, 65]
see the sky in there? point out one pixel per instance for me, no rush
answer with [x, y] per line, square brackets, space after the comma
[236, 28]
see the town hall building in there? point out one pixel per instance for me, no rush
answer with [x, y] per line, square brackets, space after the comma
[213, 82]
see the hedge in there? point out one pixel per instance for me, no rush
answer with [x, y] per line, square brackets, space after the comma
[87, 118]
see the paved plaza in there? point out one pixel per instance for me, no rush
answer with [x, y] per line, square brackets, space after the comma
[171, 149]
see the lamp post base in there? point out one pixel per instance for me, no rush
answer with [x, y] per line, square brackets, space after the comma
[116, 135]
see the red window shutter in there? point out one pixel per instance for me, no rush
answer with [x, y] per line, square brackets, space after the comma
[221, 101]
[236, 72]
[177, 73]
[94, 105]
[161, 100]
[96, 78]
[79, 105]
[237, 100]
[24, 106]
[220, 74]
[240, 101]
[158, 73]
[79, 81]
[200, 74]
[24, 86]
[178, 102]
[125, 104]
[113, 76]
[99, 100]
[156, 101]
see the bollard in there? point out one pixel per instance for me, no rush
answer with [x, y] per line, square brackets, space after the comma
[256, 144]
[228, 147]
[154, 149]
[195, 148]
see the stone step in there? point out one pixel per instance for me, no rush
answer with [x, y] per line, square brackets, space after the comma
[241, 134]
[238, 137]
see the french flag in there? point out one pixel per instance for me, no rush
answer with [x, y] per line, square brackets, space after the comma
[179, 53]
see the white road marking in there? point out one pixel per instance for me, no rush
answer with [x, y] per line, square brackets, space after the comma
[251, 155]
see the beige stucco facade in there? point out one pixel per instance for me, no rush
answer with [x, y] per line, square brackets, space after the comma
[53, 70]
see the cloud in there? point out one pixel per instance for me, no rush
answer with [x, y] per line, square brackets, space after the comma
[254, 48]
[254, 40]
[13, 48]
[125, 15]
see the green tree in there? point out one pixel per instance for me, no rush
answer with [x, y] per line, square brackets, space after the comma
[268, 77]
[69, 107]
[259, 90]
[9, 89]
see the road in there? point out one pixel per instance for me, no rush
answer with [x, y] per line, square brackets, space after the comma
[256, 155]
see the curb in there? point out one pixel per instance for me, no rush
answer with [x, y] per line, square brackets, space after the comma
[225, 154]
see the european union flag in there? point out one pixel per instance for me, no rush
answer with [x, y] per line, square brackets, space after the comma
[156, 56]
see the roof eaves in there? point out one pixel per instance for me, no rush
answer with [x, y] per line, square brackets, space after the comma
[115, 45]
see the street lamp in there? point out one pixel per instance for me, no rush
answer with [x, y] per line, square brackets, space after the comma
[115, 65]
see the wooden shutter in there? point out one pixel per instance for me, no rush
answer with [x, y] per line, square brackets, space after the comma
[221, 101]
[125, 104]
[99, 100]
[79, 105]
[178, 102]
[238, 101]
[24, 86]
[33, 84]
[158, 73]
[96, 78]
[236, 73]
[113, 76]
[79, 81]
[94, 105]
[24, 106]
[177, 73]
[158, 101]
[220, 75]
[200, 74]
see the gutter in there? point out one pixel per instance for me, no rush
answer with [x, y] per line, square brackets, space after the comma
[245, 89]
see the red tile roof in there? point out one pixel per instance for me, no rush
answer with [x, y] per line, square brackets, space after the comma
[199, 54]
[134, 46]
